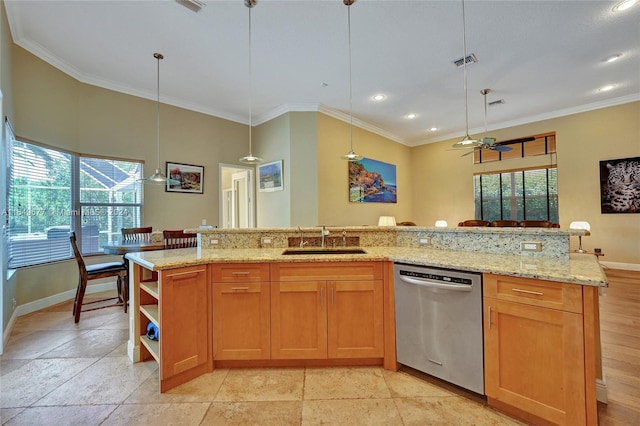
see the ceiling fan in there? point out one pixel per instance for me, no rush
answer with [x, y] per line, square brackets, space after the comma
[491, 143]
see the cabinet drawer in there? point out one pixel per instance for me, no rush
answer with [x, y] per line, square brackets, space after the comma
[240, 272]
[310, 271]
[548, 294]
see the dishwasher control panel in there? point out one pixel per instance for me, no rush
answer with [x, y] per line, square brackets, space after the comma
[436, 277]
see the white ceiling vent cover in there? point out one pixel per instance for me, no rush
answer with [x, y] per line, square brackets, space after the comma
[470, 59]
[194, 5]
[498, 102]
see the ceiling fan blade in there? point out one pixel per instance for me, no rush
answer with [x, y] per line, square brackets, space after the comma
[501, 148]
[514, 141]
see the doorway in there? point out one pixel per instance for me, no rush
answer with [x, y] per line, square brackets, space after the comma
[236, 197]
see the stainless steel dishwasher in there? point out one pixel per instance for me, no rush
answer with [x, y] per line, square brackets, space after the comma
[439, 323]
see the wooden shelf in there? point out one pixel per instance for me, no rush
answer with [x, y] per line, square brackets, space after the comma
[151, 312]
[153, 346]
[151, 288]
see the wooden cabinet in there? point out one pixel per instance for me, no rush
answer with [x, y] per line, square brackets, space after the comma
[179, 304]
[327, 310]
[241, 311]
[537, 362]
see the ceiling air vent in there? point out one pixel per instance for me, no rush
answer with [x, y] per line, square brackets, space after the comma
[498, 102]
[470, 59]
[194, 5]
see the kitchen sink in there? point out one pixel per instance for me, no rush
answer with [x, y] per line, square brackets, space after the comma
[324, 250]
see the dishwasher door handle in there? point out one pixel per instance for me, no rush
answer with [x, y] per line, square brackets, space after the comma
[430, 284]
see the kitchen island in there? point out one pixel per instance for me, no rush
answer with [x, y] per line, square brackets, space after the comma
[226, 307]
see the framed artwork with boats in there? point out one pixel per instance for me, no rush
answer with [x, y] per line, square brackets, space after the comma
[372, 181]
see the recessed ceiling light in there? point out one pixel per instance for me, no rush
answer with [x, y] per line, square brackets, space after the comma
[607, 88]
[379, 97]
[433, 129]
[612, 58]
[624, 5]
[410, 116]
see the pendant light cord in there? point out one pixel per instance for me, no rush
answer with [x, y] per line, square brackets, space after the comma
[464, 67]
[158, 57]
[250, 84]
[350, 80]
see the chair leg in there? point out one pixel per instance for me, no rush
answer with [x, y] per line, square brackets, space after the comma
[82, 286]
[75, 300]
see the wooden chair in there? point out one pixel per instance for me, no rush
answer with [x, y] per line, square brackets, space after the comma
[137, 235]
[94, 272]
[474, 222]
[503, 223]
[537, 224]
[179, 239]
[406, 224]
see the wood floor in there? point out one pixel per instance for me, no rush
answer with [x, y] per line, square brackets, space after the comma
[620, 335]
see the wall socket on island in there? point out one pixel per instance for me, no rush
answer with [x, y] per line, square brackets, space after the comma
[424, 241]
[530, 246]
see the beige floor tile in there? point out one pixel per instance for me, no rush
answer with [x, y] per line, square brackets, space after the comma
[281, 413]
[92, 344]
[30, 345]
[120, 350]
[9, 365]
[32, 381]
[352, 412]
[7, 414]
[445, 411]
[344, 383]
[403, 385]
[262, 384]
[109, 381]
[75, 415]
[186, 414]
[200, 389]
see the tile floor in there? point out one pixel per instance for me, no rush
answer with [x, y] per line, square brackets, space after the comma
[56, 372]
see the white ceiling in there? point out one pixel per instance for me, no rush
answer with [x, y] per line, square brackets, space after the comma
[544, 58]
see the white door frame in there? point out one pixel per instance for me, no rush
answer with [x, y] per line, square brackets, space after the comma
[250, 198]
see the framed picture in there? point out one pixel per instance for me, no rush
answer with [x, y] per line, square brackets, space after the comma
[619, 185]
[372, 181]
[270, 175]
[190, 178]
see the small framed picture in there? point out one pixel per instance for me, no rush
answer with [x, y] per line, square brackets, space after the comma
[270, 176]
[187, 178]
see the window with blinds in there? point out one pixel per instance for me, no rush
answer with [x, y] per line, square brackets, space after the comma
[51, 192]
[517, 195]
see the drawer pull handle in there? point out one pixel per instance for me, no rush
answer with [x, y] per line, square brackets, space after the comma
[239, 288]
[489, 317]
[240, 273]
[537, 293]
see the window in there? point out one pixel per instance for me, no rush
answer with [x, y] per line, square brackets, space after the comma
[517, 195]
[51, 192]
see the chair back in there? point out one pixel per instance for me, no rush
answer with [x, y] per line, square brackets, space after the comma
[76, 252]
[136, 235]
[179, 239]
[474, 222]
[536, 224]
[406, 224]
[508, 223]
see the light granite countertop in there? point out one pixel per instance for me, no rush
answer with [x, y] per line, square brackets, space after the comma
[582, 269]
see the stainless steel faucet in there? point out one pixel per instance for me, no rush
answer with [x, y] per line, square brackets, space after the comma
[302, 241]
[324, 232]
[344, 238]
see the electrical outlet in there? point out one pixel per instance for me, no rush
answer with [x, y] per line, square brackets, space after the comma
[530, 246]
[424, 241]
[266, 241]
[14, 303]
[214, 241]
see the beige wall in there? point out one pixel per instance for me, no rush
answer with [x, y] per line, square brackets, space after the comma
[444, 186]
[334, 207]
[304, 169]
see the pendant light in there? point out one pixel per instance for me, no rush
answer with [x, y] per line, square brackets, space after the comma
[350, 156]
[467, 141]
[250, 159]
[158, 178]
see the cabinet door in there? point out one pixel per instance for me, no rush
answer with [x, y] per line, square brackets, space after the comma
[355, 319]
[241, 317]
[185, 324]
[298, 320]
[534, 360]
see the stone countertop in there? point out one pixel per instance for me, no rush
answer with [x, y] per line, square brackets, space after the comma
[582, 269]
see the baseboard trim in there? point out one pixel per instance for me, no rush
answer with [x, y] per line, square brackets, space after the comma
[601, 390]
[46, 302]
[622, 266]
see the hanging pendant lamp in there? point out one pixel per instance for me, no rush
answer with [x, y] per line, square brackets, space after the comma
[158, 178]
[351, 155]
[467, 141]
[250, 159]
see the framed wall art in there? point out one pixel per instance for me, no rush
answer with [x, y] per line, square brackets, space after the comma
[372, 181]
[190, 178]
[620, 185]
[270, 176]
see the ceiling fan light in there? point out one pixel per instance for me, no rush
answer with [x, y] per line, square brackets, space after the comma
[467, 142]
